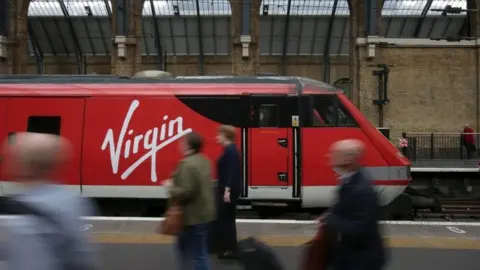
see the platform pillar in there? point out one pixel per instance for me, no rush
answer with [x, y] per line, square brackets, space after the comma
[127, 32]
[13, 36]
[245, 32]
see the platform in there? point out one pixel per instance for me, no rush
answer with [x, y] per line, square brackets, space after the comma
[130, 243]
[445, 165]
[443, 235]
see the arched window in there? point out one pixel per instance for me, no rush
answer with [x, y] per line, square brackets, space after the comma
[345, 84]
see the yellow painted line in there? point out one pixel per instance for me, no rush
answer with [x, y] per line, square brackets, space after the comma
[295, 241]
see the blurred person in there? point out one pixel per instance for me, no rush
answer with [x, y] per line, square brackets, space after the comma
[353, 219]
[468, 140]
[47, 235]
[227, 193]
[191, 187]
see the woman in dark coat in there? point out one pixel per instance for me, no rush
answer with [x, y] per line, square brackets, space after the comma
[227, 193]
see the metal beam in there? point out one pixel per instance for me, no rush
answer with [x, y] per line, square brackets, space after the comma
[300, 31]
[37, 50]
[49, 38]
[78, 51]
[109, 10]
[185, 28]
[145, 37]
[314, 37]
[102, 35]
[62, 38]
[4, 18]
[121, 18]
[214, 34]
[87, 30]
[346, 21]
[200, 40]
[326, 51]
[170, 25]
[157, 37]
[272, 30]
[421, 21]
[285, 39]
[371, 15]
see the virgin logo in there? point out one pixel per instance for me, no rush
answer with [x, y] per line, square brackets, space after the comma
[128, 142]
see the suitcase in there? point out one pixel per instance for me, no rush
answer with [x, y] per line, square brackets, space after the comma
[255, 255]
[317, 253]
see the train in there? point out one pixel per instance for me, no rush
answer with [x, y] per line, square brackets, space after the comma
[124, 133]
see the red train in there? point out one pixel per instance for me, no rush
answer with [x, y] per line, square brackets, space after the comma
[124, 132]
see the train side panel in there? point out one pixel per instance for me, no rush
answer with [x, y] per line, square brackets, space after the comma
[61, 116]
[132, 145]
[318, 179]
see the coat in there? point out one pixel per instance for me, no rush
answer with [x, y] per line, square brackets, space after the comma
[229, 173]
[354, 220]
[193, 189]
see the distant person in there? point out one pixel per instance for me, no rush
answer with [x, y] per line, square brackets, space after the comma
[468, 140]
[192, 188]
[47, 235]
[228, 191]
[403, 144]
[354, 218]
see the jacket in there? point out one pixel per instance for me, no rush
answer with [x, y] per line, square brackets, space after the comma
[193, 189]
[38, 245]
[229, 172]
[354, 220]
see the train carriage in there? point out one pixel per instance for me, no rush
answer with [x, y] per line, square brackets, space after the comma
[124, 132]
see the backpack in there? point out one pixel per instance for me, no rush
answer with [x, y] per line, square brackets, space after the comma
[15, 207]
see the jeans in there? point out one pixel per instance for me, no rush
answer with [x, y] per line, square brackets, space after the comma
[192, 248]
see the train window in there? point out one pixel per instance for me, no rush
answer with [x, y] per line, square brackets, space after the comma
[327, 111]
[227, 110]
[44, 124]
[268, 115]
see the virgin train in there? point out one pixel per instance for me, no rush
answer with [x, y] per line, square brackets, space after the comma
[125, 131]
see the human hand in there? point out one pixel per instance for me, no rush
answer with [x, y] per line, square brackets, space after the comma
[226, 196]
[167, 183]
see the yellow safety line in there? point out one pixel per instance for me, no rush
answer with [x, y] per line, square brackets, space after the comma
[295, 241]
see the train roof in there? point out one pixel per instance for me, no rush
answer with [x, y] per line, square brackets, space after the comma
[94, 85]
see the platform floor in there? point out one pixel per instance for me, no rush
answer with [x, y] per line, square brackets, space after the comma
[130, 243]
[436, 235]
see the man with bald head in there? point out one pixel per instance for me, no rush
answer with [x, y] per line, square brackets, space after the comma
[354, 218]
[46, 235]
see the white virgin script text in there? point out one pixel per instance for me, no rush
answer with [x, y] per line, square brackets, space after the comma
[153, 140]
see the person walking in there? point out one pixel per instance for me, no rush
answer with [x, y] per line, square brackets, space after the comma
[46, 233]
[191, 188]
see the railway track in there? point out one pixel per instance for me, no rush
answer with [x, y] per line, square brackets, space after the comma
[453, 209]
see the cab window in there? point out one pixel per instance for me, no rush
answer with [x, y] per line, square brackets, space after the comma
[327, 111]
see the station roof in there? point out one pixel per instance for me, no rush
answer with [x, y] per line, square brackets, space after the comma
[69, 27]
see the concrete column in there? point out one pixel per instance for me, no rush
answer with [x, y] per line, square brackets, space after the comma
[13, 36]
[127, 33]
[245, 50]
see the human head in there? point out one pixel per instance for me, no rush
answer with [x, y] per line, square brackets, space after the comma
[192, 143]
[345, 155]
[226, 135]
[36, 156]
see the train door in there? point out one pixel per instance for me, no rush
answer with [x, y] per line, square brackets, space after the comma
[269, 144]
[59, 116]
[3, 132]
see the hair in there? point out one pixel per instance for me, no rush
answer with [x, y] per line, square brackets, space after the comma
[228, 132]
[194, 142]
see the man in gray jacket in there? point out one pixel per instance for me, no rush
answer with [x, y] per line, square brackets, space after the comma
[56, 242]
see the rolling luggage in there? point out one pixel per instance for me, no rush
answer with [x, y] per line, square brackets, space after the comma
[255, 255]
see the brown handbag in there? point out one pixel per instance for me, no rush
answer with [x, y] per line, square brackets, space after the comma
[172, 224]
[317, 252]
